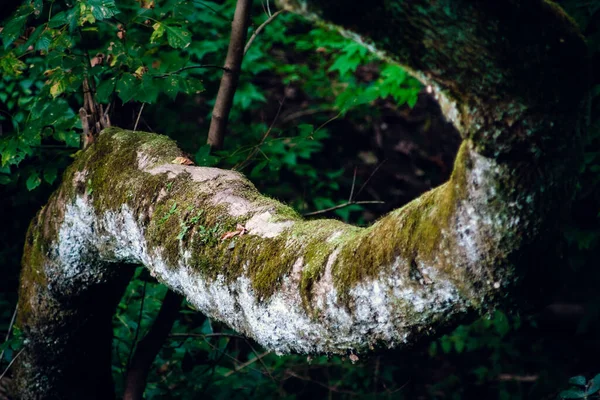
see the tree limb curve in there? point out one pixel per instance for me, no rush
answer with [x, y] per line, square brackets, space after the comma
[511, 76]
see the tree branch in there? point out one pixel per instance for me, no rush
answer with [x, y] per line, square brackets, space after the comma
[149, 347]
[259, 30]
[231, 74]
[346, 204]
[482, 239]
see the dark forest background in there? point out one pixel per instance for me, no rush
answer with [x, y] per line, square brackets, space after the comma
[315, 119]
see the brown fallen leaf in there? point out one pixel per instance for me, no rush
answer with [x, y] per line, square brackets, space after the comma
[239, 231]
[182, 161]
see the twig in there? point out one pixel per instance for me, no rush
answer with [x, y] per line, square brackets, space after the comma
[190, 67]
[331, 388]
[10, 326]
[260, 360]
[231, 76]
[259, 30]
[370, 176]
[349, 203]
[137, 328]
[328, 121]
[224, 354]
[256, 148]
[303, 113]
[203, 4]
[11, 363]
[247, 363]
[517, 378]
[352, 189]
[138, 117]
[149, 346]
[205, 335]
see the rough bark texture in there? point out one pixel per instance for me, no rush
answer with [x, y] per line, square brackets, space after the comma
[511, 76]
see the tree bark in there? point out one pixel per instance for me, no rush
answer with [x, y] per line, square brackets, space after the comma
[511, 77]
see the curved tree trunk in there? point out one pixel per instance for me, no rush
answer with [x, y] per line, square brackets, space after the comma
[511, 76]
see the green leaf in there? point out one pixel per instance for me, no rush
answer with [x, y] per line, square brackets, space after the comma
[190, 85]
[103, 9]
[572, 394]
[149, 90]
[446, 344]
[178, 38]
[58, 86]
[258, 167]
[33, 181]
[578, 380]
[204, 158]
[105, 89]
[38, 6]
[171, 86]
[159, 31]
[11, 65]
[594, 385]
[501, 323]
[412, 100]
[13, 29]
[127, 87]
[289, 158]
[44, 41]
[50, 175]
[58, 19]
[5, 179]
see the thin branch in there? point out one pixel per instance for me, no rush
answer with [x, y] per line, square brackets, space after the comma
[304, 113]
[11, 363]
[231, 76]
[328, 121]
[224, 354]
[259, 30]
[167, 74]
[352, 189]
[370, 176]
[349, 203]
[247, 363]
[331, 388]
[138, 117]
[137, 328]
[205, 335]
[10, 326]
[149, 346]
[256, 148]
[517, 378]
[203, 4]
[260, 360]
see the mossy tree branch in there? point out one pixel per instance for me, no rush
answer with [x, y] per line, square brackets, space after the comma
[483, 238]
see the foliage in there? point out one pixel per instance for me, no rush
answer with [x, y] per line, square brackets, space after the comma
[582, 389]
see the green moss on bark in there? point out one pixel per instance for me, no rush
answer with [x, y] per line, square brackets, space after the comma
[418, 231]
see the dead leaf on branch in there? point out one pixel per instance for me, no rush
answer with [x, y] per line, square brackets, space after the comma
[239, 231]
[182, 161]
